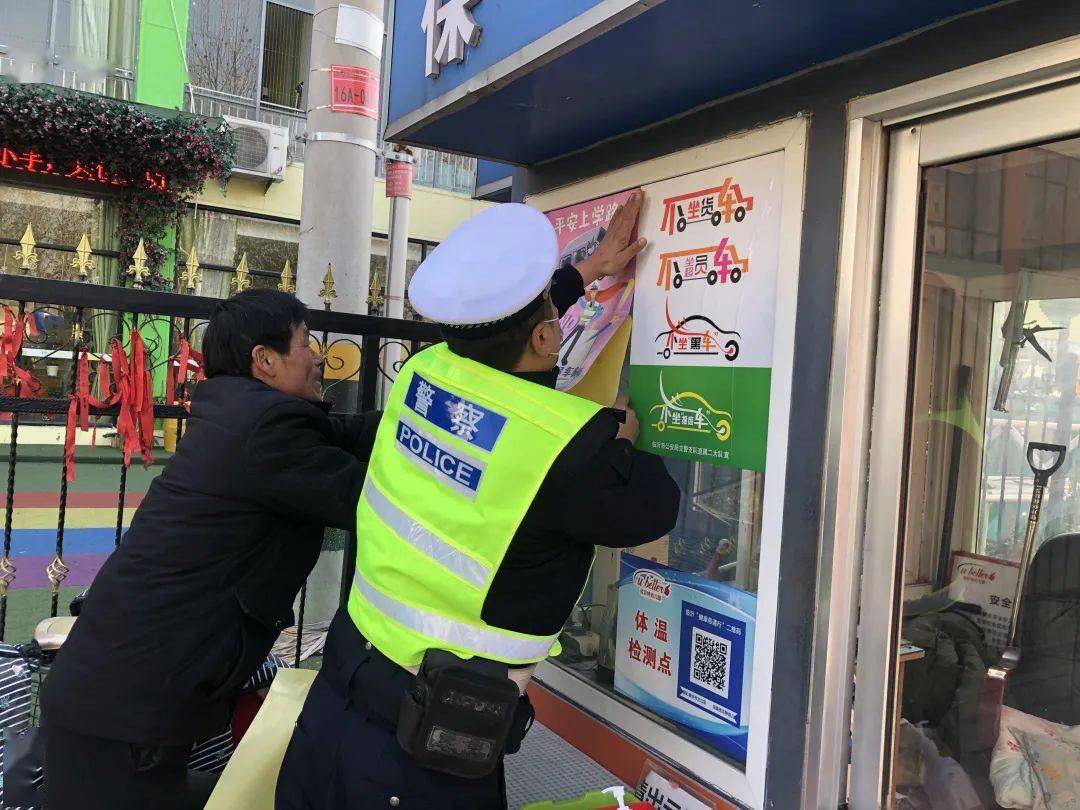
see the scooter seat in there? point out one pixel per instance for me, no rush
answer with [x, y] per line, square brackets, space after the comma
[50, 634]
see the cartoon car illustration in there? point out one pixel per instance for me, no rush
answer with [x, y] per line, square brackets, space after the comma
[713, 264]
[722, 203]
[681, 338]
[689, 411]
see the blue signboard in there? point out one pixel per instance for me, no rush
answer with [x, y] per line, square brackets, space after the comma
[684, 648]
[507, 27]
[464, 418]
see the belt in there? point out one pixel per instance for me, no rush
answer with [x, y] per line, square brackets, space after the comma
[374, 685]
[371, 682]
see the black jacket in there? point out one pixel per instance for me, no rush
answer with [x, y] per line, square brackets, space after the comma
[204, 580]
[600, 491]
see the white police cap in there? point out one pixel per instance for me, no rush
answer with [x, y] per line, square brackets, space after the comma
[490, 268]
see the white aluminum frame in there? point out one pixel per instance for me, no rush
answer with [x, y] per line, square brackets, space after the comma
[1026, 97]
[747, 787]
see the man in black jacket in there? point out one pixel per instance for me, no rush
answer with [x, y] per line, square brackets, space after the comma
[189, 605]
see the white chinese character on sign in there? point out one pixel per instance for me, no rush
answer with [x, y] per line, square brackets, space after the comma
[572, 221]
[598, 215]
[611, 208]
[449, 28]
[425, 395]
[464, 419]
[560, 223]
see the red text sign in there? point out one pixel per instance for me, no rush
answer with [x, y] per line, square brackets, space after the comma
[399, 177]
[354, 90]
[33, 162]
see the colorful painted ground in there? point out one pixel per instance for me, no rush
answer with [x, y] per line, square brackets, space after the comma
[90, 525]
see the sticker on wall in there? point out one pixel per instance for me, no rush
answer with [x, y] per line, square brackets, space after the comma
[704, 312]
[683, 649]
[990, 583]
[590, 323]
[354, 90]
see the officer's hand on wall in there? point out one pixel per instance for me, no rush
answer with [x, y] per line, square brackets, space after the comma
[629, 428]
[616, 250]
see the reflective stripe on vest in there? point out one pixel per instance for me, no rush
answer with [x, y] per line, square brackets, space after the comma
[458, 562]
[493, 644]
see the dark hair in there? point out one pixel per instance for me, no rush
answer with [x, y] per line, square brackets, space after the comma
[247, 320]
[501, 350]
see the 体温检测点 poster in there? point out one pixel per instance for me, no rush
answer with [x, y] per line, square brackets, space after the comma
[590, 323]
[683, 648]
[704, 311]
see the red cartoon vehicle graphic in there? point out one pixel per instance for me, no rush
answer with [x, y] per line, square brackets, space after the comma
[697, 335]
[715, 263]
[720, 204]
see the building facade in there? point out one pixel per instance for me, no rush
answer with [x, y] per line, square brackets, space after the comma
[854, 339]
[240, 61]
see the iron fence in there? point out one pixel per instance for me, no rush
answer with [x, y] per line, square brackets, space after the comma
[86, 315]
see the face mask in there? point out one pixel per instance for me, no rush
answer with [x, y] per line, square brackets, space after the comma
[554, 320]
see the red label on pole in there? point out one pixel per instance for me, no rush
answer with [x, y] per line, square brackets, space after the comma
[354, 90]
[399, 179]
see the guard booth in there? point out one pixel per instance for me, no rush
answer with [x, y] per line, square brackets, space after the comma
[854, 336]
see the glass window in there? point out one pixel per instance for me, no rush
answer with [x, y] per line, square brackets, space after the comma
[715, 541]
[57, 219]
[93, 42]
[442, 170]
[223, 52]
[25, 39]
[221, 240]
[989, 656]
[286, 55]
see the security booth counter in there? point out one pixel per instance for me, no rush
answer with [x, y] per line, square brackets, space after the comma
[850, 337]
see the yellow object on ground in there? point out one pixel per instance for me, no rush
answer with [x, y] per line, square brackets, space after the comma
[601, 382]
[250, 778]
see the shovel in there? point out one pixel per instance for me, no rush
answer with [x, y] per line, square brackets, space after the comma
[996, 682]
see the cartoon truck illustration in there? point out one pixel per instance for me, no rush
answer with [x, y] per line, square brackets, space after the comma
[690, 412]
[712, 264]
[685, 337]
[722, 203]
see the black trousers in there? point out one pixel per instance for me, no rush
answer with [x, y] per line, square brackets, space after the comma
[87, 773]
[344, 753]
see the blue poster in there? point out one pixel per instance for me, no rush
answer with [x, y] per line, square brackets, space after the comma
[684, 647]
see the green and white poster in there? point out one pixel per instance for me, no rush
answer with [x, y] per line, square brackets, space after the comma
[704, 312]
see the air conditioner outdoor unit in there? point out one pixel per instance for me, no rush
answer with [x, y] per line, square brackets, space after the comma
[261, 149]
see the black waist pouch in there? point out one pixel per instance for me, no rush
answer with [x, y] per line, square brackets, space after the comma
[459, 716]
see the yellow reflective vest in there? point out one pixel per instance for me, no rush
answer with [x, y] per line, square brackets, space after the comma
[459, 456]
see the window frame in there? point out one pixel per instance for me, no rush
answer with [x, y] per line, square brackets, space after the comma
[746, 786]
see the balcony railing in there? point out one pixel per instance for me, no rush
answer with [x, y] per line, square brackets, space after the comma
[204, 101]
[434, 169]
[116, 83]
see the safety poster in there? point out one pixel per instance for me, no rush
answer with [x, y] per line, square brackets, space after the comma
[704, 312]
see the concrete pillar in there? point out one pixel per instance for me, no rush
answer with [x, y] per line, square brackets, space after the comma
[339, 171]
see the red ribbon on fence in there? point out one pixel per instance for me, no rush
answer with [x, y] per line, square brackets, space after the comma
[131, 389]
[15, 381]
[178, 371]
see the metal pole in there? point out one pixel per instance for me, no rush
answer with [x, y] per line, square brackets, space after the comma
[397, 255]
[339, 167]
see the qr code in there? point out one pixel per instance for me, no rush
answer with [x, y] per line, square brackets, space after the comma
[709, 660]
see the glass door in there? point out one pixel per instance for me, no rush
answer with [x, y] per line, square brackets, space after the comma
[968, 673]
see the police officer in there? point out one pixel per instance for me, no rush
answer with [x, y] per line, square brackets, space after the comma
[486, 495]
